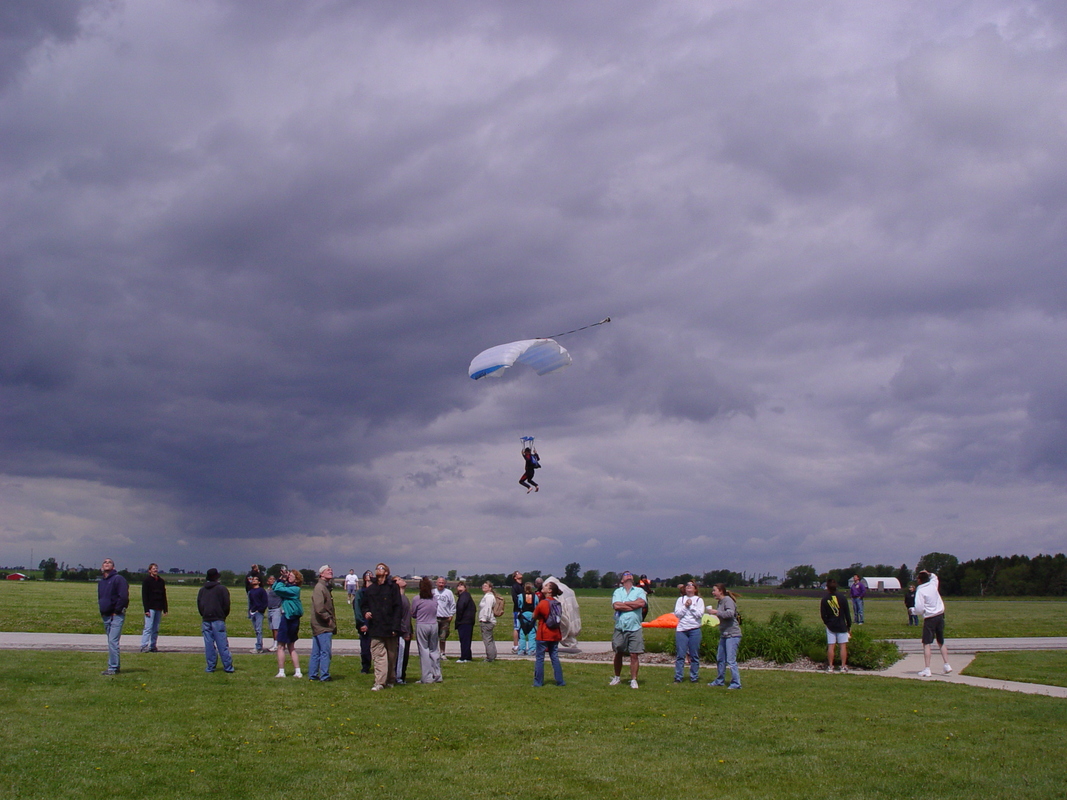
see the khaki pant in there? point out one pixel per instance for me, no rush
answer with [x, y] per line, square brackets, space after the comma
[383, 654]
[487, 640]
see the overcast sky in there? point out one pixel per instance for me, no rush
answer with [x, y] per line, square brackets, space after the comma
[249, 249]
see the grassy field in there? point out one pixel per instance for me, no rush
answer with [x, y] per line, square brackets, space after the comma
[1048, 667]
[164, 728]
[71, 608]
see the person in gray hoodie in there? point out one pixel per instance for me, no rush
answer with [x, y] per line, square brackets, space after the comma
[213, 603]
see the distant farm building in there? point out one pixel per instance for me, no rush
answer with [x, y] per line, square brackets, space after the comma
[883, 584]
[16, 576]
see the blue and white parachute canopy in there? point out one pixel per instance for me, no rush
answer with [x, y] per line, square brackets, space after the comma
[541, 355]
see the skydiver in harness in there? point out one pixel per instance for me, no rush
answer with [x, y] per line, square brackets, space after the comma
[533, 462]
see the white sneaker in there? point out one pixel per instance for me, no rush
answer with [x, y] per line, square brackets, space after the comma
[947, 669]
[281, 674]
[272, 649]
[924, 673]
[633, 683]
[376, 687]
[615, 681]
[515, 651]
[298, 674]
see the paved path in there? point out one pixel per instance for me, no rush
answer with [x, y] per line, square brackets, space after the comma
[961, 653]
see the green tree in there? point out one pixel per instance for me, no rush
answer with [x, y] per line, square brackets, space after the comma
[591, 579]
[608, 580]
[570, 574]
[802, 576]
[904, 576]
[49, 568]
[451, 575]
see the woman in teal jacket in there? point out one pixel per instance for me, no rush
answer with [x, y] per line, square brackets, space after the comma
[288, 589]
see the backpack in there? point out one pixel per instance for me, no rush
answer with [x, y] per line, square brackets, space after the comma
[555, 613]
[498, 606]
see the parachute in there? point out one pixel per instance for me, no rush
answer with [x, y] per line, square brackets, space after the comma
[541, 355]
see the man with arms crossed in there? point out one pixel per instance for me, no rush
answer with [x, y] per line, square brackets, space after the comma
[628, 637]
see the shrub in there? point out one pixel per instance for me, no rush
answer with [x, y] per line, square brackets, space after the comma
[784, 637]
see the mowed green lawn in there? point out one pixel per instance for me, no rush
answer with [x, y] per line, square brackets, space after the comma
[71, 608]
[164, 728]
[1047, 667]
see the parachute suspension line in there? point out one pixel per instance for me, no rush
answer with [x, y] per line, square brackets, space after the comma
[593, 325]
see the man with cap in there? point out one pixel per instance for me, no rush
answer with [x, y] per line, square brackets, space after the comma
[628, 638]
[323, 626]
[213, 603]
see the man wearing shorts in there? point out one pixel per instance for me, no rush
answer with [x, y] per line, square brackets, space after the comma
[930, 606]
[838, 621]
[628, 638]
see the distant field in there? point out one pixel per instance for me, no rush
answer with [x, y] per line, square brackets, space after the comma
[71, 608]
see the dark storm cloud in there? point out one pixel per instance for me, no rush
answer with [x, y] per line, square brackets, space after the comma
[249, 250]
[26, 24]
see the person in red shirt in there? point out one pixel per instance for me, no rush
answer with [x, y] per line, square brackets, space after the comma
[547, 639]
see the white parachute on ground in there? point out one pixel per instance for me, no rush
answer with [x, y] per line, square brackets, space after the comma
[541, 355]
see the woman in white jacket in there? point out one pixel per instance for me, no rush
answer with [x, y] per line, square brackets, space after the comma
[689, 609]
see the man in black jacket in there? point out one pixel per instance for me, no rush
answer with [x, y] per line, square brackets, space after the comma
[154, 600]
[213, 603]
[382, 609]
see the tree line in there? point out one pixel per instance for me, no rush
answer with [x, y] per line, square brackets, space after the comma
[1012, 576]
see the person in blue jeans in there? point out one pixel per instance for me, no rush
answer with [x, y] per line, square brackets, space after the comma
[548, 639]
[154, 600]
[857, 590]
[213, 603]
[729, 635]
[689, 608]
[323, 626]
[113, 596]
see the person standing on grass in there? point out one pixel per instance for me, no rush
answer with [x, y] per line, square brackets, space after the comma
[930, 606]
[113, 597]
[548, 637]
[323, 626]
[446, 610]
[274, 611]
[381, 601]
[729, 636]
[909, 604]
[351, 585]
[857, 590]
[288, 589]
[154, 600]
[628, 636]
[487, 620]
[689, 608]
[516, 603]
[838, 622]
[213, 603]
[257, 607]
[466, 614]
[424, 612]
[361, 623]
[403, 643]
